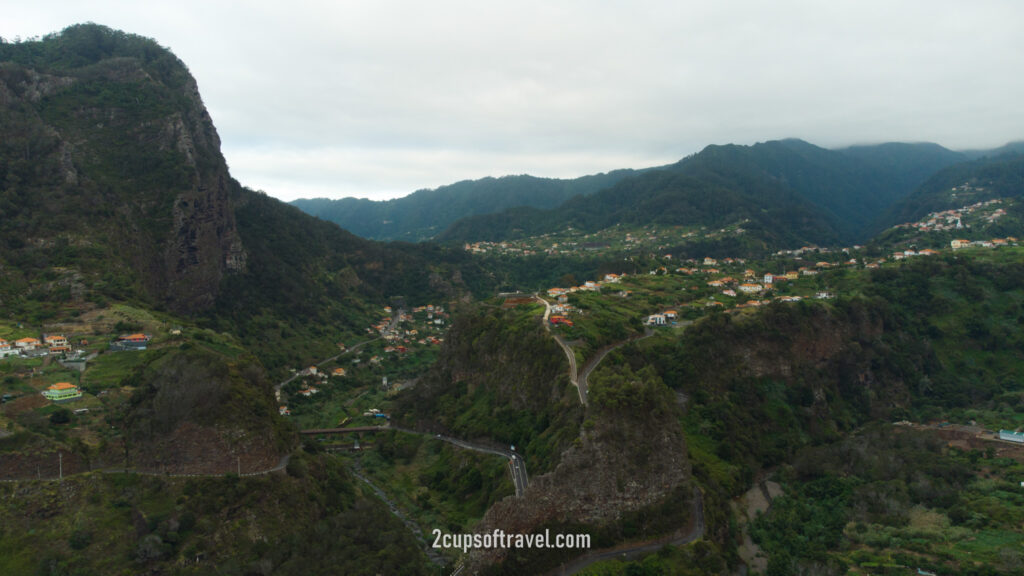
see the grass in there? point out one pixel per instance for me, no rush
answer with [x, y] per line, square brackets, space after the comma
[442, 486]
[109, 369]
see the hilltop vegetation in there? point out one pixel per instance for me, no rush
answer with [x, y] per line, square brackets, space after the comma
[314, 520]
[785, 193]
[500, 377]
[730, 350]
[426, 213]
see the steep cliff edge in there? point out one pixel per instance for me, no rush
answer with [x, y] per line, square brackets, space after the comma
[111, 162]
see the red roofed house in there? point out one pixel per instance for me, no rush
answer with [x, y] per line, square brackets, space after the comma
[62, 391]
[26, 343]
[6, 349]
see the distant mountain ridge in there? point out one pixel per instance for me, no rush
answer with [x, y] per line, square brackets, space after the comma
[789, 191]
[849, 193]
[426, 213]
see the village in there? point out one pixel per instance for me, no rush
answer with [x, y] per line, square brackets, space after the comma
[353, 386]
[618, 238]
[680, 291]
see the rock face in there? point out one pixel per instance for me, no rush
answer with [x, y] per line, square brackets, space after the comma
[622, 463]
[107, 133]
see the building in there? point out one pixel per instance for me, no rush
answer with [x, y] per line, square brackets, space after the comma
[338, 372]
[55, 340]
[26, 343]
[125, 342]
[560, 320]
[959, 243]
[1011, 436]
[6, 349]
[62, 391]
[750, 288]
[655, 320]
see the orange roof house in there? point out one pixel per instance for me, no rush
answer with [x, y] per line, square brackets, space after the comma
[62, 391]
[27, 343]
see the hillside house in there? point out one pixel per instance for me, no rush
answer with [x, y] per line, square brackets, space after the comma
[26, 343]
[748, 288]
[284, 411]
[768, 279]
[62, 391]
[555, 320]
[136, 341]
[671, 314]
[655, 320]
[959, 243]
[6, 349]
[338, 372]
[55, 340]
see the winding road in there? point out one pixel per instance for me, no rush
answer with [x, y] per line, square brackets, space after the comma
[516, 464]
[577, 377]
[277, 388]
[633, 551]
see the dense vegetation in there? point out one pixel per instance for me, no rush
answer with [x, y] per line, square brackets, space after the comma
[426, 213]
[500, 377]
[315, 520]
[785, 193]
[113, 190]
[997, 176]
[890, 498]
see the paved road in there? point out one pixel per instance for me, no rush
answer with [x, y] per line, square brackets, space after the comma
[569, 354]
[516, 464]
[593, 362]
[431, 552]
[631, 552]
[277, 389]
[280, 466]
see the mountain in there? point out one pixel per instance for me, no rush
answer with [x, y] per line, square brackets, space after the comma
[425, 213]
[788, 192]
[111, 173]
[986, 178]
[110, 159]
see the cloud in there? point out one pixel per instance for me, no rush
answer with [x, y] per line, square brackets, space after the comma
[385, 97]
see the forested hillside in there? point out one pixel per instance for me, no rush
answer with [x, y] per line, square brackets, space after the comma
[989, 177]
[425, 213]
[783, 193]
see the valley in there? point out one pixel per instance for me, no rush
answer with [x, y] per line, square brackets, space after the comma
[198, 378]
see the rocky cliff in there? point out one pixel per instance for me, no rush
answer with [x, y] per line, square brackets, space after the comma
[108, 149]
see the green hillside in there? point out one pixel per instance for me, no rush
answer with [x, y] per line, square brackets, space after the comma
[987, 178]
[426, 213]
[786, 193]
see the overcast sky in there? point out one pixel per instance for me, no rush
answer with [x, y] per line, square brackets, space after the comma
[380, 98]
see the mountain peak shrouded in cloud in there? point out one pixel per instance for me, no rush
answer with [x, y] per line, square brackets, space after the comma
[331, 100]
